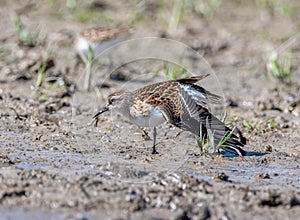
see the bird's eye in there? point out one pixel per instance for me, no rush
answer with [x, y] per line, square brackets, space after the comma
[110, 101]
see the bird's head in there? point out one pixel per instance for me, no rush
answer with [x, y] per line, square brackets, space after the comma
[115, 101]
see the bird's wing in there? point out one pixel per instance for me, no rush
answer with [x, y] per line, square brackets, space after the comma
[199, 95]
[198, 120]
[192, 79]
[167, 112]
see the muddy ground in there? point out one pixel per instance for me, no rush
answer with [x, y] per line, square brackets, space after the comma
[56, 165]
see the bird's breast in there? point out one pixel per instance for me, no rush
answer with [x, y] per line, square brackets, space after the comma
[146, 115]
[83, 45]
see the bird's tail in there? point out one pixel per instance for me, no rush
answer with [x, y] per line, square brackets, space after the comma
[218, 134]
[210, 128]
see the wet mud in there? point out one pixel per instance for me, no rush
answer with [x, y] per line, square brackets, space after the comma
[55, 164]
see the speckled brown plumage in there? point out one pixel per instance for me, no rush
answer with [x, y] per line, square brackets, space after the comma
[101, 34]
[160, 94]
[179, 102]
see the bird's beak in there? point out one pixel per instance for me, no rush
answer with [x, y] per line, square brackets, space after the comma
[104, 109]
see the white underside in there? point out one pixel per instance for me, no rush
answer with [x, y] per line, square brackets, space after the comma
[154, 119]
[82, 45]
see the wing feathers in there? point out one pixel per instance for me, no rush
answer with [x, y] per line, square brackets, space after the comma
[192, 80]
[195, 116]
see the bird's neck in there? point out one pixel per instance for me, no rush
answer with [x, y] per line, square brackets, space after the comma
[124, 107]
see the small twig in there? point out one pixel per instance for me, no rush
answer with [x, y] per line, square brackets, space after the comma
[17, 116]
[95, 121]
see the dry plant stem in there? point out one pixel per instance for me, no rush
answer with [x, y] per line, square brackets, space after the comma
[145, 134]
[199, 143]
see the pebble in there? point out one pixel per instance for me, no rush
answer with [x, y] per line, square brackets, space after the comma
[54, 148]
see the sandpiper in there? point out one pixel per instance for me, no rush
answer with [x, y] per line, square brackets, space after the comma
[98, 39]
[92, 41]
[181, 103]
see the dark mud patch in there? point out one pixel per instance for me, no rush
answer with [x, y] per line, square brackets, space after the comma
[55, 164]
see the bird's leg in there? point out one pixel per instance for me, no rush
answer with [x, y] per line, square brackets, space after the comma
[154, 141]
[145, 134]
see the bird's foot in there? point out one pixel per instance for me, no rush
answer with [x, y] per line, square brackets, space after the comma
[154, 151]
